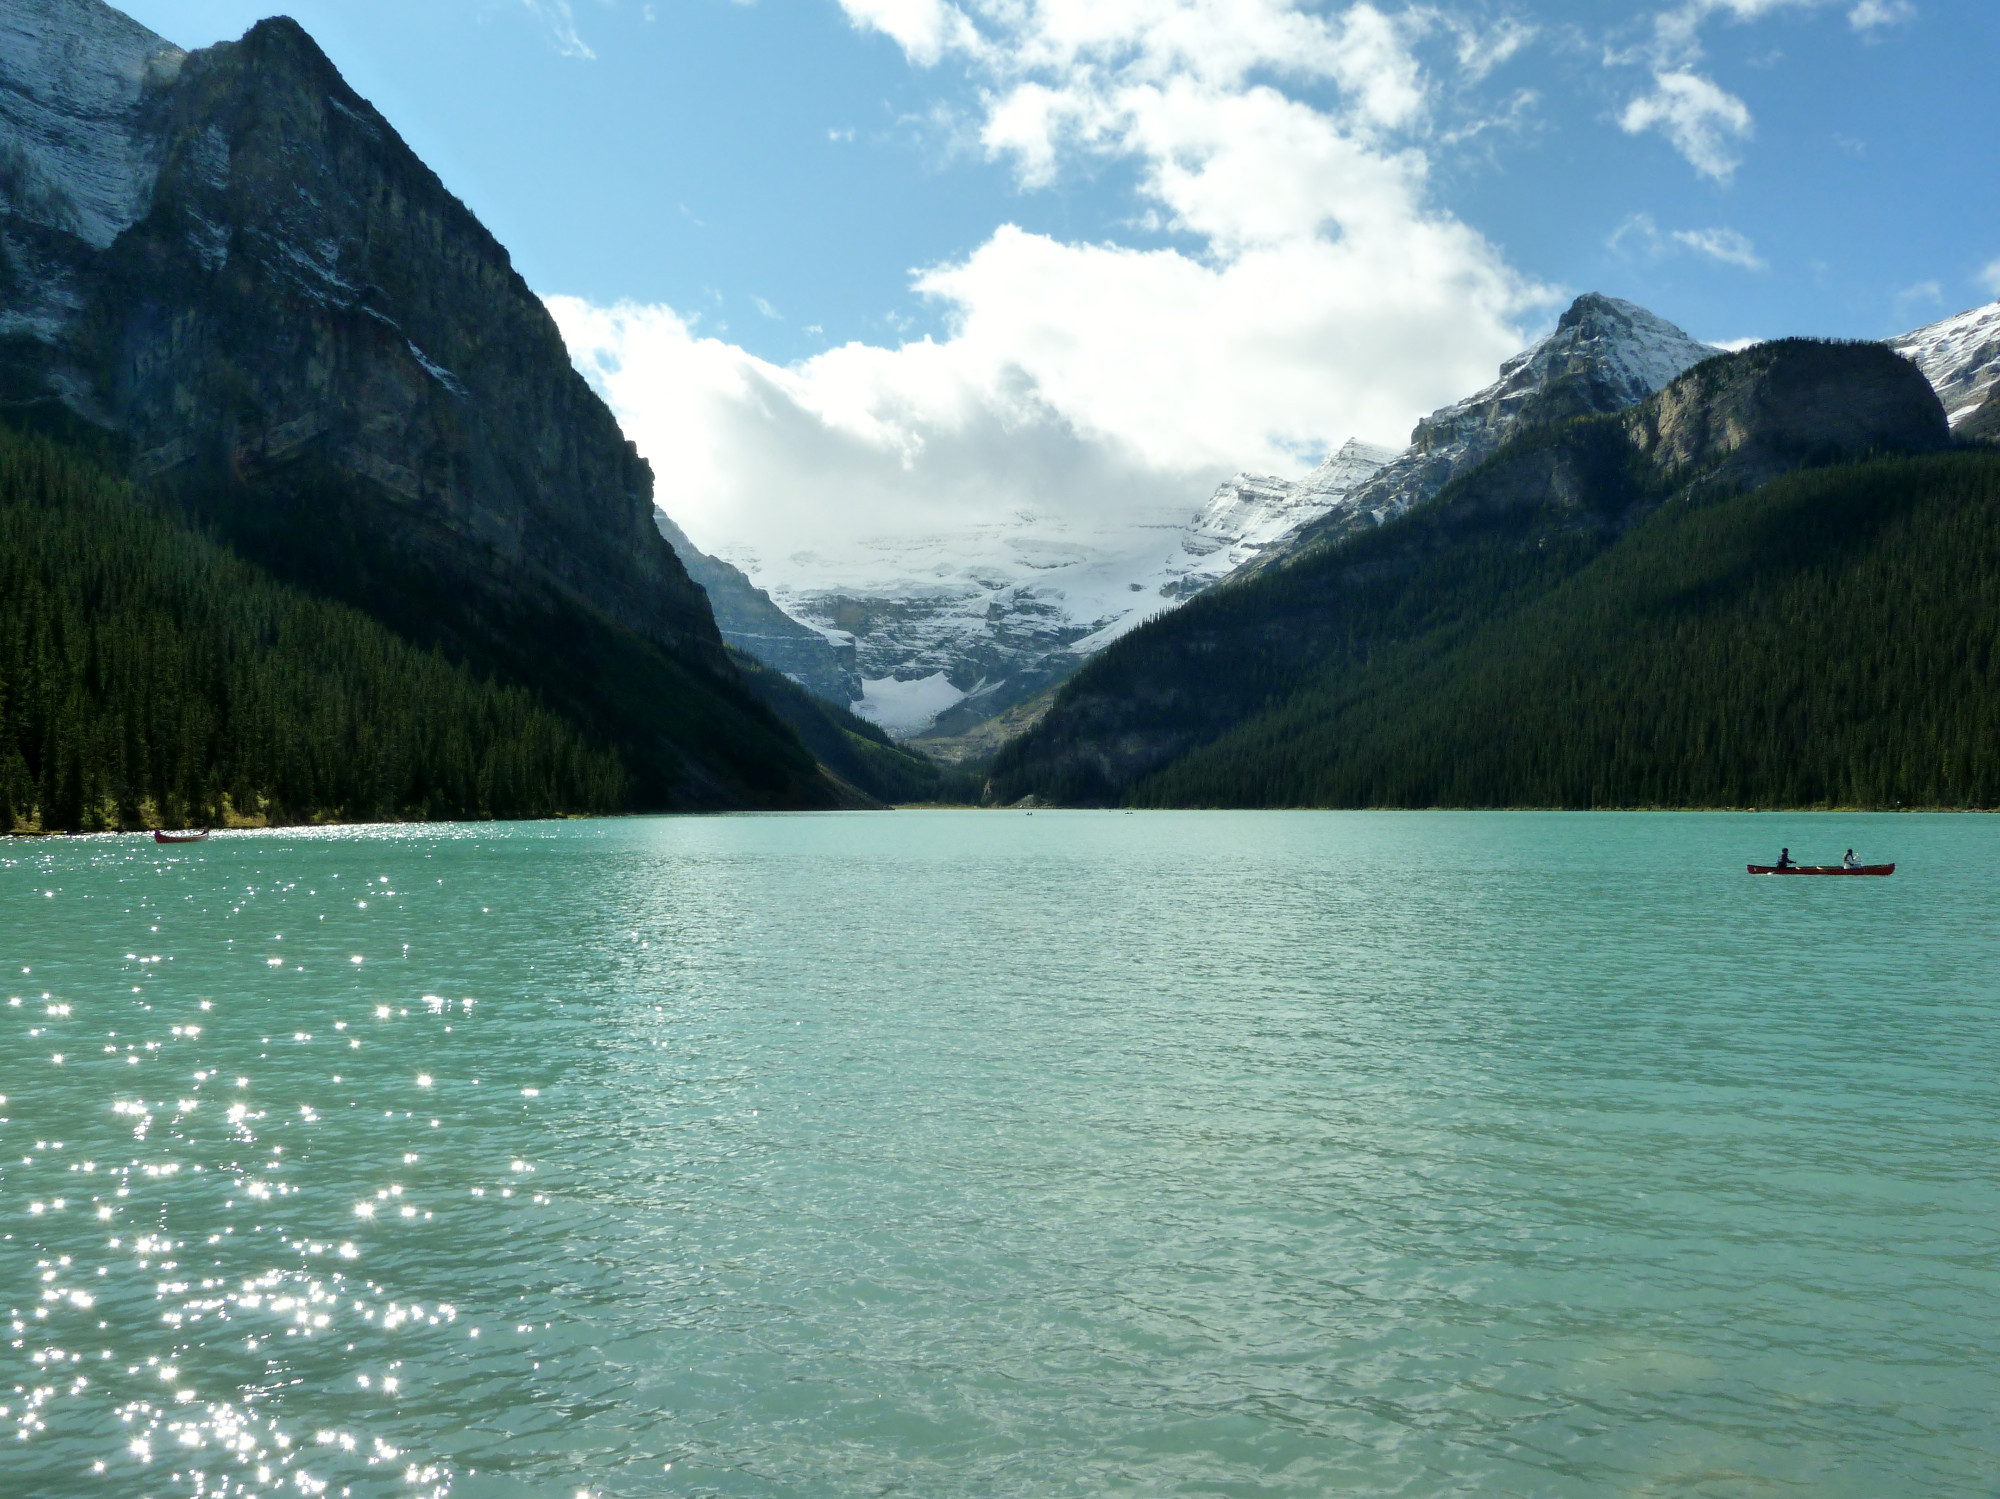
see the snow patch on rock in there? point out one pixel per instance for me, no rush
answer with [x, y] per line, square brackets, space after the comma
[1611, 353]
[1959, 355]
[73, 74]
[905, 708]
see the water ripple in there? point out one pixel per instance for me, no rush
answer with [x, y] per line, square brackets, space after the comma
[966, 1154]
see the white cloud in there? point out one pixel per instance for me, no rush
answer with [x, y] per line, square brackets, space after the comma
[1677, 31]
[924, 29]
[1480, 51]
[556, 15]
[1921, 291]
[1091, 383]
[1639, 228]
[1990, 278]
[1324, 297]
[1869, 14]
[1730, 246]
[1705, 122]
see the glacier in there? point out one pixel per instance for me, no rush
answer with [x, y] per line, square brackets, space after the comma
[999, 612]
[949, 630]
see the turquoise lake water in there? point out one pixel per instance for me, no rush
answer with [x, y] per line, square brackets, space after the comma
[943, 1154]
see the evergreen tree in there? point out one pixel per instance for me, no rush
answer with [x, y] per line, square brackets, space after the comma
[146, 670]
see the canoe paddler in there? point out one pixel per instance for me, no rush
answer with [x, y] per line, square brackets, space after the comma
[1785, 859]
[1848, 861]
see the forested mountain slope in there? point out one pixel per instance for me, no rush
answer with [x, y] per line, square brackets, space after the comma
[851, 748]
[303, 340]
[1396, 599]
[1832, 639]
[149, 677]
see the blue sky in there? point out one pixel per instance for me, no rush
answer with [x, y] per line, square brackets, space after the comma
[1316, 221]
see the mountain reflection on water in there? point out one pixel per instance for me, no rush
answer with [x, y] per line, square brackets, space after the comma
[973, 1153]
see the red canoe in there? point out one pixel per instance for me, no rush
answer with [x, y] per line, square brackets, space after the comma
[1823, 869]
[160, 837]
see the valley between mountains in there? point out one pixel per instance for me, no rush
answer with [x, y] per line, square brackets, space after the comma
[308, 516]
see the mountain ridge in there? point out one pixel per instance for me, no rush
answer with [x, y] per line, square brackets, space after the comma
[752, 623]
[232, 260]
[1548, 501]
[1603, 355]
[940, 655]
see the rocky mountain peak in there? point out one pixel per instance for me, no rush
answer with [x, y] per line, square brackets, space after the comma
[231, 259]
[1604, 355]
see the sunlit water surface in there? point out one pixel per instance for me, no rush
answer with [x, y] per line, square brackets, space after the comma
[996, 1154]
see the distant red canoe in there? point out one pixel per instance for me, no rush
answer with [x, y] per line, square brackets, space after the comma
[160, 837]
[1823, 869]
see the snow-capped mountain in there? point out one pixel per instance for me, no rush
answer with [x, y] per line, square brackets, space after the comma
[1960, 356]
[1604, 355]
[1251, 513]
[948, 630]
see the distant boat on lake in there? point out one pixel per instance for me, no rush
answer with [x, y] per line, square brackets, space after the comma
[1823, 869]
[195, 837]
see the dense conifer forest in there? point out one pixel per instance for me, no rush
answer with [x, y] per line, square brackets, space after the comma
[148, 676]
[1832, 639]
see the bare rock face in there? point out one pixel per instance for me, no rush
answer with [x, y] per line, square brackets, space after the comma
[1982, 423]
[231, 259]
[1746, 418]
[754, 624]
[74, 154]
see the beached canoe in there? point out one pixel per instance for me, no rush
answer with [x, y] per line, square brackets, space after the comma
[160, 837]
[1823, 869]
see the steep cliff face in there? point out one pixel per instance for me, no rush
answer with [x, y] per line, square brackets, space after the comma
[1744, 419]
[753, 624]
[296, 293]
[230, 259]
[1551, 499]
[74, 156]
